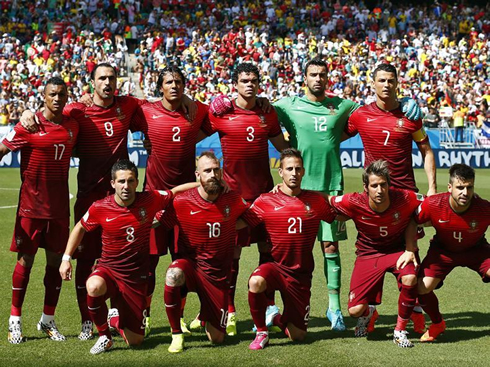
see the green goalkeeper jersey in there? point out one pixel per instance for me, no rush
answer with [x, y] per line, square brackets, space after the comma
[315, 128]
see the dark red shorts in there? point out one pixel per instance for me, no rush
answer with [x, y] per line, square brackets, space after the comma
[32, 233]
[214, 298]
[91, 246]
[295, 295]
[366, 285]
[162, 241]
[439, 263]
[129, 300]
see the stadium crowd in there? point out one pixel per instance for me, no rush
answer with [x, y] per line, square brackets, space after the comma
[441, 50]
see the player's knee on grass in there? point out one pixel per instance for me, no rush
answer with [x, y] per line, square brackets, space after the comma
[96, 286]
[25, 260]
[214, 335]
[358, 311]
[175, 277]
[409, 280]
[257, 284]
[296, 334]
[53, 259]
[133, 339]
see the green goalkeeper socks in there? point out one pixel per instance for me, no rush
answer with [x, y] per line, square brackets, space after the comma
[333, 276]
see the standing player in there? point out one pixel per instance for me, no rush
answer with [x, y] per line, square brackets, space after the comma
[122, 270]
[102, 142]
[381, 216]
[172, 159]
[207, 219]
[244, 133]
[43, 214]
[387, 134]
[292, 218]
[460, 219]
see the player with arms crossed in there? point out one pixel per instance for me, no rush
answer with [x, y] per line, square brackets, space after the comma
[122, 270]
[245, 130]
[461, 219]
[292, 218]
[102, 141]
[206, 217]
[381, 215]
[387, 134]
[43, 214]
[172, 159]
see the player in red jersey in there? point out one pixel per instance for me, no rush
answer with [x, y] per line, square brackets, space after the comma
[44, 172]
[388, 134]
[172, 159]
[460, 219]
[122, 270]
[207, 219]
[381, 215]
[245, 131]
[292, 217]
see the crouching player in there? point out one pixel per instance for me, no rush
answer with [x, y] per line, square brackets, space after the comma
[121, 272]
[381, 216]
[206, 217]
[292, 217]
[460, 219]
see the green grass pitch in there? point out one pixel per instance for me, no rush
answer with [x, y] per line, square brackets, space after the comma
[463, 300]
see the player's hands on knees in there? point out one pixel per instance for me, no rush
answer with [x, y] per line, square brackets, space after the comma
[189, 107]
[406, 258]
[264, 104]
[29, 121]
[276, 188]
[65, 270]
[411, 109]
[87, 99]
[220, 105]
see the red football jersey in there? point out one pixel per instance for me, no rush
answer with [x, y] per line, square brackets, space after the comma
[379, 233]
[455, 232]
[244, 136]
[292, 223]
[207, 230]
[126, 232]
[102, 141]
[387, 135]
[172, 160]
[44, 167]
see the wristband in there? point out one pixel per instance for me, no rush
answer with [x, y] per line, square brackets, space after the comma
[66, 258]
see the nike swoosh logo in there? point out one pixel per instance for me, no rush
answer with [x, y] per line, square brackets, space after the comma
[192, 213]
[404, 304]
[299, 108]
[335, 269]
[111, 219]
[233, 118]
[157, 116]
[58, 288]
[80, 287]
[278, 207]
[369, 120]
[17, 289]
[42, 134]
[169, 306]
[443, 221]
[366, 218]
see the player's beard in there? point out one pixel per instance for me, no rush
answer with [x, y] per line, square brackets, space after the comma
[212, 186]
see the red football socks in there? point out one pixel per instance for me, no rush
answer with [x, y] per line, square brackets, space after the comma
[20, 280]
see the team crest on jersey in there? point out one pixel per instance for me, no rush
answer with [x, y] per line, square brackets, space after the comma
[18, 241]
[396, 217]
[400, 125]
[262, 122]
[70, 134]
[308, 208]
[143, 216]
[227, 211]
[331, 109]
[473, 226]
[120, 114]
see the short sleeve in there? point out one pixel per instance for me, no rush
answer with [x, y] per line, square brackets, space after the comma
[90, 220]
[17, 138]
